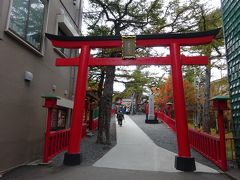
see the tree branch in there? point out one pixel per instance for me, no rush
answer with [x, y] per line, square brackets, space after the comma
[97, 20]
[124, 82]
[125, 10]
[105, 10]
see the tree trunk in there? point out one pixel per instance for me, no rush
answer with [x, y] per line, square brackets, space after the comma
[206, 105]
[198, 107]
[100, 114]
[107, 101]
[132, 103]
[137, 102]
[100, 138]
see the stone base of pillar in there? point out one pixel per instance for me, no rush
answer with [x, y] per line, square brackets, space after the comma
[155, 121]
[72, 159]
[185, 164]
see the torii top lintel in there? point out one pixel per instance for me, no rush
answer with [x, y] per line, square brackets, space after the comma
[164, 39]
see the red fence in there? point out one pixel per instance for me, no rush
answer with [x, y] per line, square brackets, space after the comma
[205, 144]
[167, 120]
[58, 142]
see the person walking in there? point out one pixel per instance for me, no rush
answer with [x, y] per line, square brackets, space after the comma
[120, 117]
[146, 110]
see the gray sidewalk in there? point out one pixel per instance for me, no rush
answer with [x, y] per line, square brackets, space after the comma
[164, 137]
[97, 173]
[136, 151]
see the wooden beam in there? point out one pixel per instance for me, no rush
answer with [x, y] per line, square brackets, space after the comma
[67, 61]
[138, 61]
[194, 60]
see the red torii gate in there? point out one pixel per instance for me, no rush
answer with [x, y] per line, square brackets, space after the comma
[183, 161]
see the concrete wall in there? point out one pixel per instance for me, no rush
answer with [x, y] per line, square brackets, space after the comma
[22, 117]
[1, 18]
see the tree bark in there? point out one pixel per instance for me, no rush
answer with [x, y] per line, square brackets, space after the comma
[105, 107]
[206, 105]
[100, 115]
[198, 106]
[100, 138]
[137, 102]
[107, 101]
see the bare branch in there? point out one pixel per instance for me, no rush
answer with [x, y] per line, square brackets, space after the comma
[97, 20]
[125, 9]
[105, 10]
[124, 82]
[216, 57]
[203, 18]
[217, 50]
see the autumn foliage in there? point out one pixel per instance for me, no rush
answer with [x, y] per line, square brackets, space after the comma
[164, 94]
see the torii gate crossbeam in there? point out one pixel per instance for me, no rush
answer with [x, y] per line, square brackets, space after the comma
[194, 60]
[174, 41]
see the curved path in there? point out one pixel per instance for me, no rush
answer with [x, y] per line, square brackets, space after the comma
[136, 151]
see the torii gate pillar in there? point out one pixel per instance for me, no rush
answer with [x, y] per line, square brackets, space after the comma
[73, 156]
[183, 161]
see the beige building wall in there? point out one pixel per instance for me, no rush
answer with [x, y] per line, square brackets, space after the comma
[22, 117]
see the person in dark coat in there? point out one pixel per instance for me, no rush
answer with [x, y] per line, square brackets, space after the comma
[120, 117]
[146, 110]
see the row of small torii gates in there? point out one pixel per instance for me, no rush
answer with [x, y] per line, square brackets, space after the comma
[174, 41]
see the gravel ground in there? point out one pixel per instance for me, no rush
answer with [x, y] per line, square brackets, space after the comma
[164, 137]
[90, 150]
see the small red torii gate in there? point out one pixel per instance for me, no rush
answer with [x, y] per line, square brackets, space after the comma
[183, 161]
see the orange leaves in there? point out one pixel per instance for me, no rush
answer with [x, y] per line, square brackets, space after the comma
[164, 93]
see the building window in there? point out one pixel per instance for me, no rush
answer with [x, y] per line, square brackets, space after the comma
[65, 51]
[26, 21]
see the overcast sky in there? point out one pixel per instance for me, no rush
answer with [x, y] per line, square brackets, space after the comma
[215, 3]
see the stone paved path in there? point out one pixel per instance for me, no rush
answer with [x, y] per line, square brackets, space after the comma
[136, 151]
